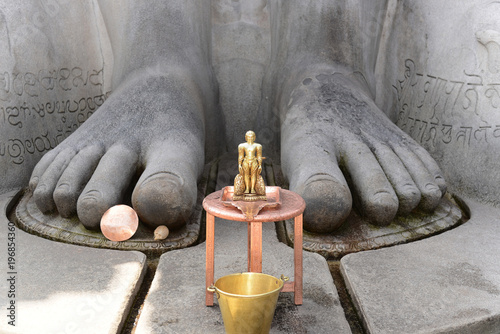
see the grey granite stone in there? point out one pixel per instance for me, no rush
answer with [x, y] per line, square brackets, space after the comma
[449, 283]
[437, 81]
[192, 72]
[62, 288]
[56, 68]
[176, 301]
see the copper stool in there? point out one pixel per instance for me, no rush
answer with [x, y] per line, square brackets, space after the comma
[292, 206]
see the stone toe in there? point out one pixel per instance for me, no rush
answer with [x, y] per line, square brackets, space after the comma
[328, 203]
[165, 199]
[381, 208]
[90, 207]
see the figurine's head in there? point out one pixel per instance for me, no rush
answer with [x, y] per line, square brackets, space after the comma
[250, 136]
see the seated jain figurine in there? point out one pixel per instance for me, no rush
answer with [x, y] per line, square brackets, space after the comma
[249, 184]
[312, 75]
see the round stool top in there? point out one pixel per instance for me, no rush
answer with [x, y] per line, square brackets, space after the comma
[291, 206]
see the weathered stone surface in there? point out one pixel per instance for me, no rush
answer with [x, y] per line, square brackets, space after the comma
[148, 139]
[61, 288]
[438, 80]
[176, 300]
[356, 234]
[299, 71]
[70, 230]
[55, 70]
[449, 283]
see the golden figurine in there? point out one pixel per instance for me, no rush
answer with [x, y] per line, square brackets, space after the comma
[248, 184]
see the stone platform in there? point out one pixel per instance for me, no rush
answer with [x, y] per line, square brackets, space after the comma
[448, 283]
[176, 301]
[65, 288]
[59, 288]
[69, 230]
[358, 235]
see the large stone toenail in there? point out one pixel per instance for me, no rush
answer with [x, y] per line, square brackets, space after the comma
[383, 198]
[164, 199]
[40, 189]
[328, 203]
[91, 198]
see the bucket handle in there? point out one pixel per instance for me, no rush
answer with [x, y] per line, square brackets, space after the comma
[213, 289]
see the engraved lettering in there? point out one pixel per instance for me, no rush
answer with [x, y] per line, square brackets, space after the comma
[47, 79]
[493, 95]
[31, 84]
[78, 81]
[465, 134]
[431, 135]
[18, 84]
[13, 113]
[29, 146]
[15, 150]
[97, 77]
[69, 119]
[482, 133]
[64, 74]
[446, 131]
[496, 132]
[75, 109]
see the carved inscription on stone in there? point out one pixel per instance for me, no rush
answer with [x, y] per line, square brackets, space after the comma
[33, 84]
[69, 115]
[41, 105]
[39, 109]
[425, 102]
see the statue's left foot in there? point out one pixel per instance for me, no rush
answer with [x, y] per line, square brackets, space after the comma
[336, 142]
[338, 148]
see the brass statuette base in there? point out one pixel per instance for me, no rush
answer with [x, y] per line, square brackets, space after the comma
[251, 208]
[249, 197]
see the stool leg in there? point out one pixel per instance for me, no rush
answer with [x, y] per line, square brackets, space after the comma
[209, 261]
[256, 247]
[249, 246]
[297, 247]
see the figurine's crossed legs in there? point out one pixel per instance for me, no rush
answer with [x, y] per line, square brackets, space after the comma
[336, 144]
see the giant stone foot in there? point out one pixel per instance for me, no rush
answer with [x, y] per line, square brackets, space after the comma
[136, 130]
[151, 128]
[338, 148]
[336, 142]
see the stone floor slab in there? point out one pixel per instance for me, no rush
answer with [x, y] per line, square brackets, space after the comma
[176, 301]
[61, 288]
[449, 283]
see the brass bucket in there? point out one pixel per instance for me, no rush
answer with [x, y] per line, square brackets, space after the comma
[247, 301]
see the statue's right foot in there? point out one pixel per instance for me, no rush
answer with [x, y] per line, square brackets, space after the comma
[132, 132]
[152, 126]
